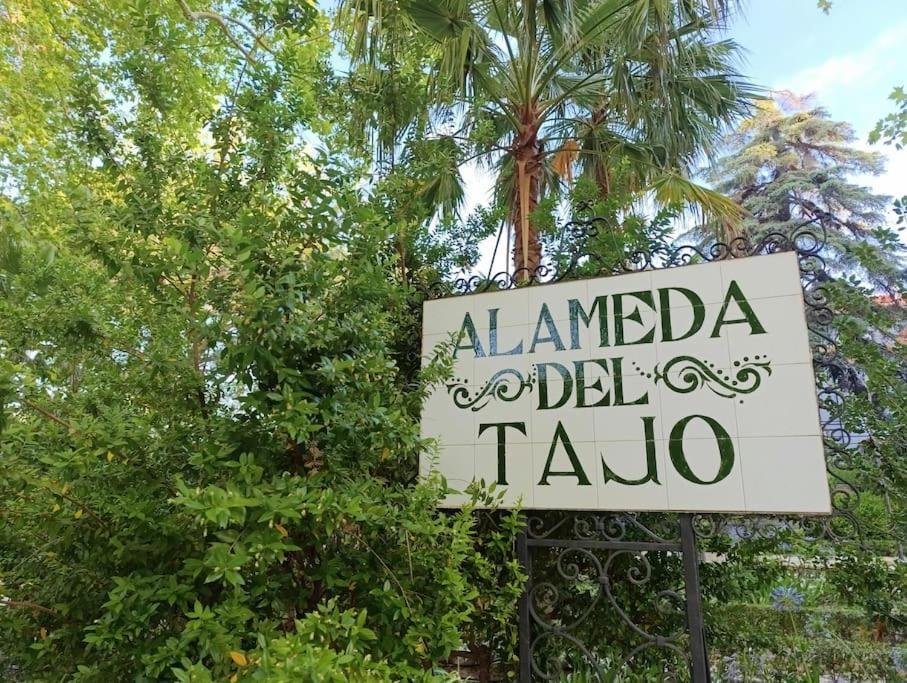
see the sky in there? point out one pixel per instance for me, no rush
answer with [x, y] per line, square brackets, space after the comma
[849, 59]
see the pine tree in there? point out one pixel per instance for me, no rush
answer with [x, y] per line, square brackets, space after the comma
[792, 164]
[791, 169]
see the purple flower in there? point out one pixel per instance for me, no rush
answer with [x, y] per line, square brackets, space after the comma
[786, 599]
[899, 658]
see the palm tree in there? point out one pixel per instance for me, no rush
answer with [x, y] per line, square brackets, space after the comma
[671, 98]
[525, 77]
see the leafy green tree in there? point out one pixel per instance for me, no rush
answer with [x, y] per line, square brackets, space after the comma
[788, 166]
[209, 431]
[892, 130]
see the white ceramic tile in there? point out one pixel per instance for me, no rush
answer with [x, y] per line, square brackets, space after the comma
[625, 423]
[578, 344]
[579, 423]
[629, 390]
[513, 372]
[521, 409]
[556, 297]
[605, 381]
[785, 474]
[583, 342]
[554, 385]
[553, 396]
[765, 276]
[629, 461]
[632, 360]
[552, 343]
[638, 322]
[441, 316]
[700, 345]
[512, 308]
[674, 407]
[784, 404]
[600, 334]
[699, 426]
[680, 321]
[518, 468]
[592, 383]
[786, 339]
[508, 338]
[565, 492]
[509, 342]
[457, 466]
[703, 459]
[556, 364]
[608, 286]
[685, 387]
[704, 279]
[444, 421]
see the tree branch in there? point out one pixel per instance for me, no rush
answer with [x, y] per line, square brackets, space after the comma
[50, 416]
[224, 22]
[25, 604]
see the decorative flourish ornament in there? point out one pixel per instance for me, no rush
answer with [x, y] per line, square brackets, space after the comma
[506, 385]
[692, 374]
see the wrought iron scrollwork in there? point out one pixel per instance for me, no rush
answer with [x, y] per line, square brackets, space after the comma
[588, 581]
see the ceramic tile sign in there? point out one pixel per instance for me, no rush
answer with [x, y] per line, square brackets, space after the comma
[685, 389]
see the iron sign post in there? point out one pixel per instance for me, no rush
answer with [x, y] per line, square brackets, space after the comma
[699, 661]
[525, 628]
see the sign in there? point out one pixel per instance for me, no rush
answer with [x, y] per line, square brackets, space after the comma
[684, 389]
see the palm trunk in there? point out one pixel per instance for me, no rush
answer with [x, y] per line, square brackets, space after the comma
[527, 156]
[602, 175]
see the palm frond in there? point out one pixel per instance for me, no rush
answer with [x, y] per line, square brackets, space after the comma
[670, 188]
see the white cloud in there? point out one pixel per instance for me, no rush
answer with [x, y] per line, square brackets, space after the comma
[857, 67]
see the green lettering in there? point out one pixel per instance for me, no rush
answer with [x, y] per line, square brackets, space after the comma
[502, 446]
[560, 434]
[664, 305]
[553, 336]
[619, 318]
[474, 345]
[651, 463]
[579, 367]
[617, 372]
[577, 313]
[679, 459]
[735, 294]
[493, 337]
[542, 369]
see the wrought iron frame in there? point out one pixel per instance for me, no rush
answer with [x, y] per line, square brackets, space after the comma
[622, 533]
[605, 533]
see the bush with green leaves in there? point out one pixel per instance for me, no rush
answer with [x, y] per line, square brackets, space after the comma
[210, 431]
[191, 467]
